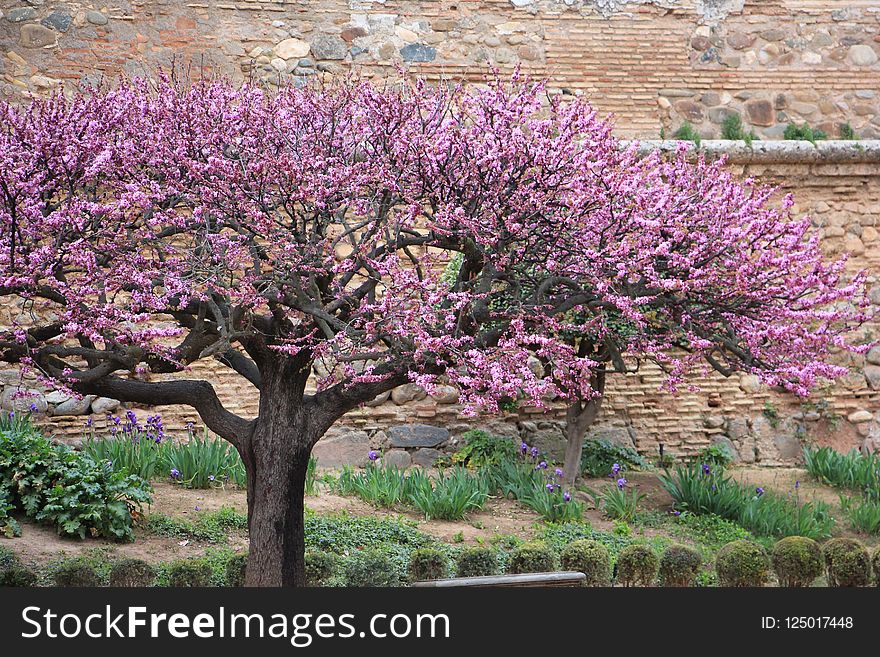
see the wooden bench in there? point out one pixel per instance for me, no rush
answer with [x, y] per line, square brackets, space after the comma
[510, 581]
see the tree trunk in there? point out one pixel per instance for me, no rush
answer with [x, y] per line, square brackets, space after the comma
[579, 416]
[276, 459]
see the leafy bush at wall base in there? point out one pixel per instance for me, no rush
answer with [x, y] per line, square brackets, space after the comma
[679, 566]
[80, 496]
[190, 573]
[599, 456]
[797, 561]
[637, 565]
[427, 564]
[590, 558]
[477, 562]
[482, 448]
[132, 573]
[847, 563]
[535, 557]
[742, 564]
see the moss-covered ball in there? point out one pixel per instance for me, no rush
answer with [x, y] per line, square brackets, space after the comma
[132, 573]
[75, 573]
[535, 557]
[190, 573]
[637, 565]
[742, 563]
[847, 562]
[679, 566]
[426, 564]
[477, 562]
[235, 570]
[797, 561]
[590, 558]
[320, 567]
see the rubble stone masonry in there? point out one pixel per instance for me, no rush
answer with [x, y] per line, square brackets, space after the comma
[653, 64]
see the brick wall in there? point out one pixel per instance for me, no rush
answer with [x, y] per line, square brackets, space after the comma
[652, 63]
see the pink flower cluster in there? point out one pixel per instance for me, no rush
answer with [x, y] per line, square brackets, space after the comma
[159, 223]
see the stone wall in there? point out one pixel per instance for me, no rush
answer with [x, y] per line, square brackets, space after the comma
[652, 63]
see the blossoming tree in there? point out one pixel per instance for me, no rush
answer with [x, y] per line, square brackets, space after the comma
[157, 224]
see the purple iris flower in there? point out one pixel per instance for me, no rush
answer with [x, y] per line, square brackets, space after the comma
[759, 491]
[373, 455]
[566, 496]
[621, 483]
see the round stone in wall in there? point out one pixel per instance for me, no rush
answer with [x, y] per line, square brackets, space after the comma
[862, 55]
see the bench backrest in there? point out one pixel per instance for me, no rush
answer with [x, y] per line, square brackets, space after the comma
[515, 581]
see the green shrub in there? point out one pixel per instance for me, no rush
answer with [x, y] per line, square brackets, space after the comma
[535, 557]
[679, 566]
[590, 558]
[687, 132]
[732, 128]
[847, 132]
[477, 562]
[75, 572]
[9, 526]
[190, 573]
[426, 564]
[637, 565]
[132, 572]
[482, 448]
[92, 499]
[797, 561]
[803, 133]
[715, 455]
[847, 563]
[599, 456]
[741, 564]
[320, 567]
[372, 567]
[12, 572]
[235, 570]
